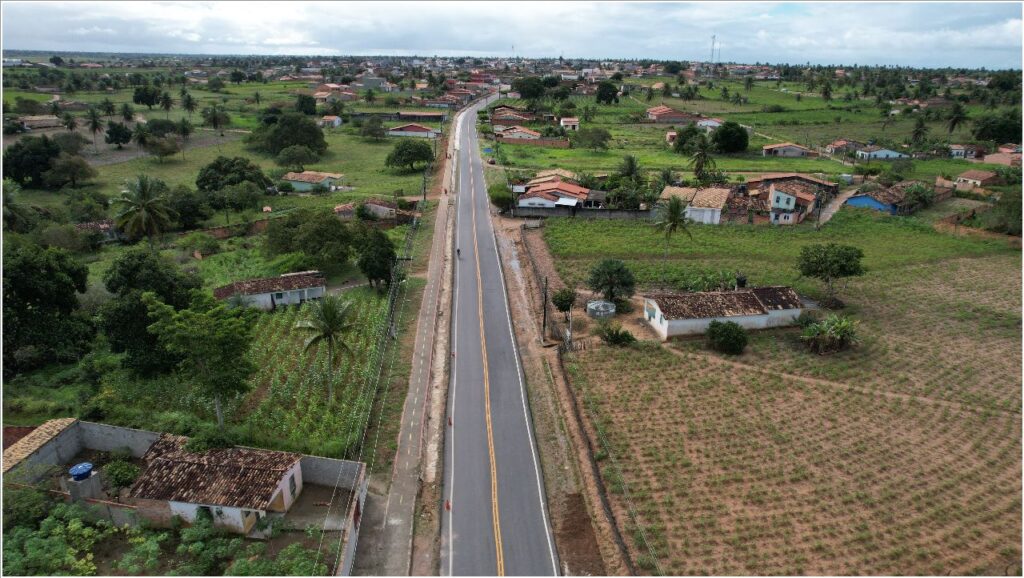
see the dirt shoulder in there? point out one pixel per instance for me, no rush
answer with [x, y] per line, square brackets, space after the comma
[583, 534]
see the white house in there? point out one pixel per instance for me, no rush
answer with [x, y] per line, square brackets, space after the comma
[785, 149]
[269, 292]
[673, 314]
[706, 206]
[790, 202]
[414, 130]
[554, 193]
[330, 121]
[877, 152]
[570, 123]
[710, 124]
[520, 133]
[236, 486]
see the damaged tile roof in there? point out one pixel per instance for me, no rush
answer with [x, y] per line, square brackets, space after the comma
[231, 477]
[710, 304]
[269, 285]
[36, 439]
[311, 176]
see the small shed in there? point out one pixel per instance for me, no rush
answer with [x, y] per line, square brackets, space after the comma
[675, 314]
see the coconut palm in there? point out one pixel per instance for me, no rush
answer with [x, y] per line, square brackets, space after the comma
[920, 131]
[957, 117]
[108, 107]
[140, 134]
[143, 208]
[188, 103]
[127, 112]
[330, 321]
[672, 218]
[69, 121]
[629, 168]
[94, 123]
[166, 103]
[701, 161]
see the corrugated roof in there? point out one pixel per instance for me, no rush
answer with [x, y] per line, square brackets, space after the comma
[232, 477]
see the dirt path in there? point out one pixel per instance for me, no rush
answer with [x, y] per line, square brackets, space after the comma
[839, 385]
[833, 207]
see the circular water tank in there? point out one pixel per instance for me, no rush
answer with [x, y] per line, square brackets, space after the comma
[81, 471]
[600, 309]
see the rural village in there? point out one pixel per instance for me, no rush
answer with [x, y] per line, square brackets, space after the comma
[345, 315]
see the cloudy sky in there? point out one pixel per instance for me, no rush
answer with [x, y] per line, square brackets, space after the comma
[965, 34]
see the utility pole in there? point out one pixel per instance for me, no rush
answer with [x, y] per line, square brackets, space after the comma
[544, 305]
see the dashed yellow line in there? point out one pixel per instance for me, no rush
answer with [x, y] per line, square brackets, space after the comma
[499, 553]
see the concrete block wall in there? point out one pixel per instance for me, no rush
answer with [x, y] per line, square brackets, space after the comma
[325, 472]
[108, 438]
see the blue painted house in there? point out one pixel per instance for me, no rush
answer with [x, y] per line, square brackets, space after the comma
[869, 200]
[892, 200]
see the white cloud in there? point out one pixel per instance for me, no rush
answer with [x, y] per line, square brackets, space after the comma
[923, 34]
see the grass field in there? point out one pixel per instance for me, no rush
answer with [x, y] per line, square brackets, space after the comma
[767, 255]
[734, 471]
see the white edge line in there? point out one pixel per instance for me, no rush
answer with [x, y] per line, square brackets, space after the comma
[455, 373]
[522, 391]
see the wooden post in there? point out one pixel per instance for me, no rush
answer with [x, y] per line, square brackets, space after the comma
[544, 305]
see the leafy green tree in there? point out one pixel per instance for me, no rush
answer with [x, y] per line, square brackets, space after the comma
[26, 160]
[501, 196]
[305, 104]
[612, 279]
[592, 138]
[290, 129]
[373, 128]
[296, 157]
[316, 233]
[143, 209]
[164, 147]
[224, 171]
[149, 96]
[215, 84]
[826, 91]
[686, 139]
[376, 258]
[40, 288]
[999, 127]
[730, 137]
[408, 152]
[125, 318]
[830, 263]
[629, 168]
[69, 142]
[215, 117]
[118, 134]
[563, 300]
[190, 207]
[68, 170]
[330, 322]
[127, 112]
[54, 108]
[69, 121]
[529, 87]
[672, 218]
[213, 342]
[108, 108]
[607, 93]
[18, 218]
[370, 96]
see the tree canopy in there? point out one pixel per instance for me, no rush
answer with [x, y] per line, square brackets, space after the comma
[224, 171]
[290, 129]
[612, 279]
[829, 263]
[408, 152]
[730, 137]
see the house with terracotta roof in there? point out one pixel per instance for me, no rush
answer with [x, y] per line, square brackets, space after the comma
[675, 314]
[1005, 159]
[267, 293]
[667, 114]
[569, 123]
[330, 121]
[976, 178]
[785, 149]
[843, 146]
[415, 130]
[519, 133]
[710, 124]
[309, 180]
[790, 202]
[555, 193]
[890, 200]
[703, 206]
[959, 151]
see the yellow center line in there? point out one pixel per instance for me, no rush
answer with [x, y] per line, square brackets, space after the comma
[499, 553]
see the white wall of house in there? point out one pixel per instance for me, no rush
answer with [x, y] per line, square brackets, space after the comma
[784, 152]
[233, 519]
[535, 202]
[880, 154]
[293, 297]
[704, 215]
[666, 328]
[783, 317]
[785, 218]
[304, 186]
[513, 134]
[416, 134]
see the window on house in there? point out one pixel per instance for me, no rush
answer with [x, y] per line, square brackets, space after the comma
[291, 485]
[278, 295]
[778, 199]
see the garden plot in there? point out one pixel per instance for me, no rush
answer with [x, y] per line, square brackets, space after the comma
[738, 472]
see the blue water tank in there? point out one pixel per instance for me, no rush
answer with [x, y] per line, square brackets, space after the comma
[81, 471]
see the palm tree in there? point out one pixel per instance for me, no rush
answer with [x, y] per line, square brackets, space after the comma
[920, 131]
[330, 321]
[94, 123]
[189, 104]
[630, 167]
[672, 218]
[143, 208]
[701, 161]
[69, 121]
[166, 103]
[748, 83]
[957, 117]
[127, 112]
[256, 97]
[140, 134]
[108, 108]
[185, 129]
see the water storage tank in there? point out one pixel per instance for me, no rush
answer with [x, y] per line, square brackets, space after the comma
[81, 471]
[600, 309]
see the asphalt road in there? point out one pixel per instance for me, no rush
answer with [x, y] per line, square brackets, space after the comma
[497, 523]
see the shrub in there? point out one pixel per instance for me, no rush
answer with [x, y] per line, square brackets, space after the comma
[613, 334]
[727, 337]
[831, 334]
[205, 243]
[501, 196]
[120, 474]
[209, 439]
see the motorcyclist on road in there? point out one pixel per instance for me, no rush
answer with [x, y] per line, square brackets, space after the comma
[458, 252]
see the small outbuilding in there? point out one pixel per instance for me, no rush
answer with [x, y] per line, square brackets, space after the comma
[309, 180]
[269, 292]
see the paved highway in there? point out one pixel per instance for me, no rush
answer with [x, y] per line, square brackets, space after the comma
[497, 523]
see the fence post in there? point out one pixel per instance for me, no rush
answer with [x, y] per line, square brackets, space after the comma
[544, 302]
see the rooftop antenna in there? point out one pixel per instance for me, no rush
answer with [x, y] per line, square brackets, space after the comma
[712, 59]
